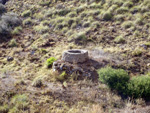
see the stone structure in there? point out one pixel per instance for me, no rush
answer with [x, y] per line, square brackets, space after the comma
[75, 56]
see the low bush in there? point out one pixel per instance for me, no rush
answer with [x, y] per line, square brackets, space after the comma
[119, 80]
[4, 109]
[115, 78]
[41, 29]
[26, 13]
[37, 82]
[19, 102]
[107, 16]
[119, 39]
[27, 21]
[17, 30]
[50, 61]
[139, 87]
[127, 24]
[8, 22]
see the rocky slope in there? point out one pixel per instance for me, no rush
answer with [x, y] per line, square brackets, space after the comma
[116, 31]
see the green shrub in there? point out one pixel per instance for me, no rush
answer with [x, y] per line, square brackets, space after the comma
[45, 3]
[37, 82]
[26, 13]
[119, 39]
[63, 12]
[115, 78]
[107, 16]
[122, 10]
[127, 24]
[19, 102]
[72, 14]
[12, 43]
[4, 109]
[139, 86]
[80, 37]
[27, 21]
[86, 24]
[50, 61]
[17, 30]
[41, 29]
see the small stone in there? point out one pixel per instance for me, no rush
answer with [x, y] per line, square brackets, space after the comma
[10, 58]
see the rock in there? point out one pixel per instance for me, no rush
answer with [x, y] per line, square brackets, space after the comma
[3, 1]
[75, 56]
[10, 58]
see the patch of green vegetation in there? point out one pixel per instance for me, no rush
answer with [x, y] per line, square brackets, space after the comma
[119, 39]
[37, 82]
[46, 35]
[127, 24]
[81, 8]
[115, 78]
[19, 102]
[26, 13]
[137, 52]
[107, 16]
[72, 14]
[113, 8]
[4, 109]
[139, 87]
[65, 29]
[86, 24]
[50, 61]
[80, 37]
[62, 76]
[12, 43]
[17, 30]
[95, 5]
[128, 4]
[40, 16]
[41, 29]
[139, 21]
[95, 24]
[122, 10]
[63, 12]
[45, 22]
[45, 3]
[27, 21]
[74, 25]
[119, 17]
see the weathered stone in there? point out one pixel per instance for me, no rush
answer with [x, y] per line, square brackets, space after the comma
[3, 1]
[10, 58]
[75, 56]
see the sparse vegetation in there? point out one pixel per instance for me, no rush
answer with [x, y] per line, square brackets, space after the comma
[26, 13]
[119, 27]
[119, 39]
[37, 82]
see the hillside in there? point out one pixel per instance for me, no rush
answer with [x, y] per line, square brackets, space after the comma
[115, 32]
